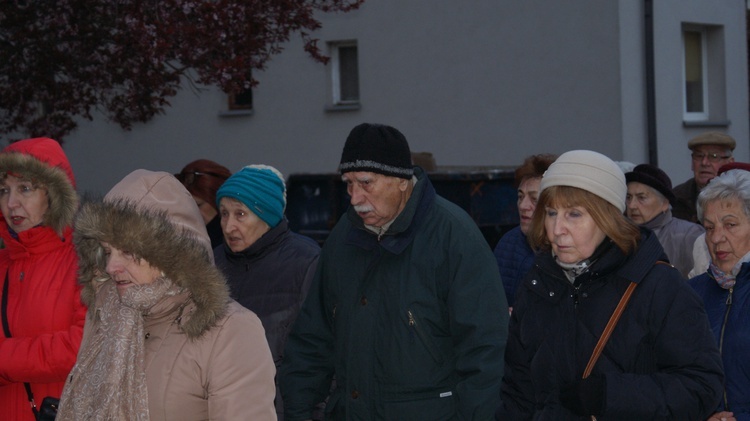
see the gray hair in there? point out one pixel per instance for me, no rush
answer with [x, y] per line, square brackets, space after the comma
[733, 184]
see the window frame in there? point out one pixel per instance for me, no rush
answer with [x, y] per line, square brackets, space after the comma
[704, 114]
[336, 75]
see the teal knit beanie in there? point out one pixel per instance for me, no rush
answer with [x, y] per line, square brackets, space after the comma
[259, 187]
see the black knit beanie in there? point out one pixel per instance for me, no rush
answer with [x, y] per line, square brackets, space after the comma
[377, 148]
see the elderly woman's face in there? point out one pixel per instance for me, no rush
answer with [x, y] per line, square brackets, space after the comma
[240, 225]
[572, 233]
[644, 203]
[126, 270]
[23, 205]
[727, 232]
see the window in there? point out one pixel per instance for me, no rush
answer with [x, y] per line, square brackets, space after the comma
[344, 73]
[696, 107]
[242, 100]
[704, 79]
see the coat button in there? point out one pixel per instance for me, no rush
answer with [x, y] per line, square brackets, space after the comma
[363, 300]
[585, 295]
[533, 282]
[552, 293]
[355, 394]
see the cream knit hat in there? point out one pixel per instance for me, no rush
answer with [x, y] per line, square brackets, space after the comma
[590, 171]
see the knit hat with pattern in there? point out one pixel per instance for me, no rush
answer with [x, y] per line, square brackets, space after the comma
[377, 148]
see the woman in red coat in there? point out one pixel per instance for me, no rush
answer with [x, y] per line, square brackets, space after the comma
[42, 313]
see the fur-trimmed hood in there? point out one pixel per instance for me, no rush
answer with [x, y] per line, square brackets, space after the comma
[152, 215]
[43, 161]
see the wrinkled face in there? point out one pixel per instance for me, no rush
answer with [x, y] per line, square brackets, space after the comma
[127, 270]
[241, 226]
[377, 198]
[644, 203]
[727, 232]
[572, 233]
[528, 195]
[706, 161]
[23, 205]
[207, 211]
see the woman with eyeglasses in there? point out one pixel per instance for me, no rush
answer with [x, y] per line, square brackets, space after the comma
[42, 313]
[202, 178]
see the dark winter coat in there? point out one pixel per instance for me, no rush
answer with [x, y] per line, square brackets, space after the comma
[271, 278]
[514, 257]
[413, 325]
[661, 361]
[729, 309]
[685, 207]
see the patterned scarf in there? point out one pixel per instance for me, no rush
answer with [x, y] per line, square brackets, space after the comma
[108, 381]
[727, 280]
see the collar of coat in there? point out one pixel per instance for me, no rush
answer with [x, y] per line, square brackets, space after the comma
[631, 268]
[261, 245]
[404, 227]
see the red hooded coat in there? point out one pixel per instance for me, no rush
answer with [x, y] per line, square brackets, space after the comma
[44, 310]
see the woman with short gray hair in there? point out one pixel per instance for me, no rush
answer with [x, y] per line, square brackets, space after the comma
[724, 210]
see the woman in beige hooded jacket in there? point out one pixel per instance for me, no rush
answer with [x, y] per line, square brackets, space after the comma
[162, 339]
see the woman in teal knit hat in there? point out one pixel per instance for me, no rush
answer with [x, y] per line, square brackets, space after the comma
[268, 267]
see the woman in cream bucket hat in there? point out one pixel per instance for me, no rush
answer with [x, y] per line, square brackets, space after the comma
[653, 366]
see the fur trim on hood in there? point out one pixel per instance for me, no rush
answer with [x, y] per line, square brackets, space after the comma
[42, 161]
[152, 216]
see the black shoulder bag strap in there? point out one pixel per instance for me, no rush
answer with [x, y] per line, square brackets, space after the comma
[6, 330]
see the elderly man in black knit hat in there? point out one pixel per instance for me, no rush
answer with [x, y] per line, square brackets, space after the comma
[649, 202]
[406, 309]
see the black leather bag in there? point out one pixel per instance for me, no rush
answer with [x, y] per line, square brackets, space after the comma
[48, 410]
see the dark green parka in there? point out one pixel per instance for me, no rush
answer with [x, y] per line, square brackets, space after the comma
[412, 325]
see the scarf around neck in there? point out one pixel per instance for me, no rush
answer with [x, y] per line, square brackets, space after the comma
[724, 279]
[108, 381]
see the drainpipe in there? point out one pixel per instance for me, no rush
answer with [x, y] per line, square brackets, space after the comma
[653, 156]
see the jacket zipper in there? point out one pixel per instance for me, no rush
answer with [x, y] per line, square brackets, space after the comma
[423, 337]
[721, 338]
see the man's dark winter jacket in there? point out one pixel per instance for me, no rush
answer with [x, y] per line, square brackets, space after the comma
[661, 362]
[685, 206]
[413, 325]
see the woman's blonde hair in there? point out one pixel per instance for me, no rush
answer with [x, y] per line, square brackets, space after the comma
[622, 231]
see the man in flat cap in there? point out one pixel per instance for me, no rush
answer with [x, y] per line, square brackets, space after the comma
[406, 308]
[710, 150]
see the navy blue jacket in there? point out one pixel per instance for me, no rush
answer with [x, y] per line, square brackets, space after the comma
[272, 278]
[735, 348]
[661, 362]
[514, 257]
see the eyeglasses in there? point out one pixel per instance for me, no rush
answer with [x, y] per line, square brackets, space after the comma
[712, 157]
[188, 178]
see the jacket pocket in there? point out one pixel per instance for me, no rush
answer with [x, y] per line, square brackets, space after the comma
[415, 326]
[434, 406]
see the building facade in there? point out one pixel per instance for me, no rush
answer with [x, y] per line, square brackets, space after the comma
[481, 83]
